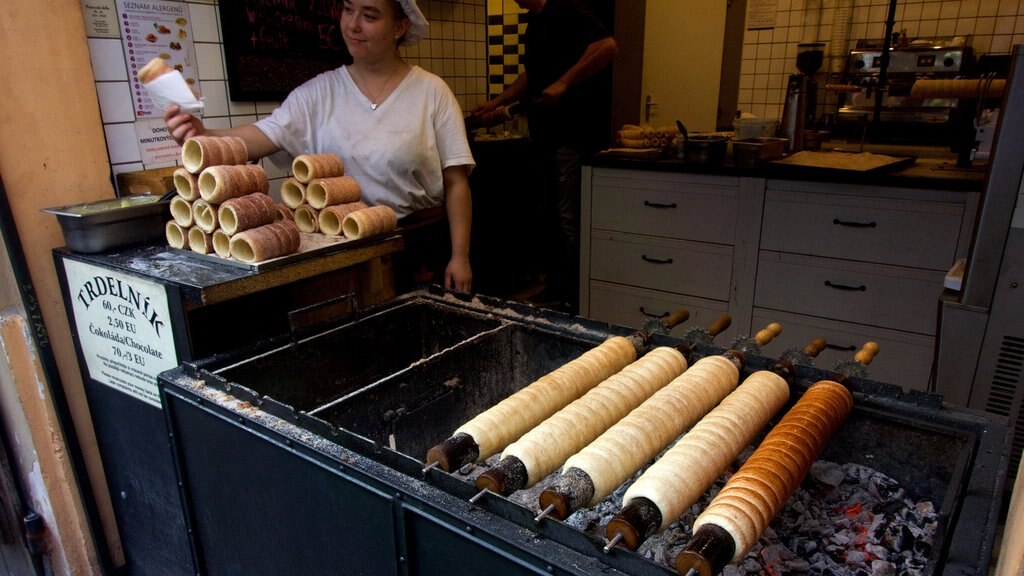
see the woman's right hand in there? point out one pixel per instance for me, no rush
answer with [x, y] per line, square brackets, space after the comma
[181, 126]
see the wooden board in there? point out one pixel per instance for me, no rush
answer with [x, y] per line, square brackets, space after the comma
[853, 162]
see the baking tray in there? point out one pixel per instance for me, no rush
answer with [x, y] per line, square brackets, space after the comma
[311, 245]
[793, 162]
[102, 225]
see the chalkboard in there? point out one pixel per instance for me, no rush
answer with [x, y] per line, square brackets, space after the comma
[272, 46]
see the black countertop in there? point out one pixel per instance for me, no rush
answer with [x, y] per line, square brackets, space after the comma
[933, 168]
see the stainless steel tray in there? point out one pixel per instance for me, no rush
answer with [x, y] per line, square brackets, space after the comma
[311, 245]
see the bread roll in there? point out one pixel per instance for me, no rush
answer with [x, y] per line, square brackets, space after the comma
[369, 222]
[186, 184]
[321, 192]
[246, 212]
[177, 235]
[293, 193]
[153, 69]
[204, 215]
[200, 241]
[495, 428]
[331, 217]
[752, 497]
[307, 218]
[265, 242]
[306, 167]
[636, 439]
[201, 152]
[546, 447]
[220, 183]
[688, 469]
[181, 211]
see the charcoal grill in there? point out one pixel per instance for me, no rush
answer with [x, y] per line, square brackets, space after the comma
[304, 455]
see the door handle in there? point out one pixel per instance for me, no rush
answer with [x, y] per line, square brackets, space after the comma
[648, 105]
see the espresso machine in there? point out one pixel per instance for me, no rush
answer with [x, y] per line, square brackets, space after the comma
[801, 95]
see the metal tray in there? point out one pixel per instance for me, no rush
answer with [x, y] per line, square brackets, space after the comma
[311, 245]
[104, 225]
[800, 161]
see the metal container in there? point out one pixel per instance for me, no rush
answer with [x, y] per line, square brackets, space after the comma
[104, 225]
[703, 149]
[748, 151]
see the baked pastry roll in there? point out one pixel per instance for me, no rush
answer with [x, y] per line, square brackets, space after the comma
[322, 192]
[220, 183]
[246, 212]
[306, 167]
[177, 235]
[187, 184]
[201, 152]
[307, 218]
[331, 217]
[369, 222]
[265, 242]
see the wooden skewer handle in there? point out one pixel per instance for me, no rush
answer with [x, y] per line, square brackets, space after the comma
[815, 347]
[677, 318]
[768, 333]
[867, 353]
[842, 88]
[723, 322]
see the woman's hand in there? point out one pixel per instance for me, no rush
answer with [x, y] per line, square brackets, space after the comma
[181, 126]
[458, 275]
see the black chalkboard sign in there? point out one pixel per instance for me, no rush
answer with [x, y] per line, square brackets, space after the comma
[272, 46]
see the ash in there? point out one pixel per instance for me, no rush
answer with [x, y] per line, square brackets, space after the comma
[842, 520]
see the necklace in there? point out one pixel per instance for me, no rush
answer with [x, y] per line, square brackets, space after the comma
[373, 101]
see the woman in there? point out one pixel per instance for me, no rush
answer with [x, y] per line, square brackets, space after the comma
[398, 127]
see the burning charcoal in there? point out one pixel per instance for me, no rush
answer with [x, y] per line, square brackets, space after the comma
[885, 489]
[827, 473]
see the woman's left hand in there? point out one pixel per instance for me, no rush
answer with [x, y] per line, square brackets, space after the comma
[458, 275]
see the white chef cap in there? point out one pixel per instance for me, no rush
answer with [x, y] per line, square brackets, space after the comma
[417, 22]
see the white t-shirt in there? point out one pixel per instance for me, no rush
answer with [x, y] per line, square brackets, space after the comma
[396, 153]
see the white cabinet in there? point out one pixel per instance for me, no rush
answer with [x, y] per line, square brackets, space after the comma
[847, 263]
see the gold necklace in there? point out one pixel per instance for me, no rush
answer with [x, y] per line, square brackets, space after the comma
[373, 101]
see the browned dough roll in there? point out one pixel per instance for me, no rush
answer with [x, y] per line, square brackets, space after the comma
[200, 241]
[177, 235]
[369, 222]
[686, 470]
[307, 218]
[284, 213]
[186, 184]
[220, 183]
[265, 242]
[306, 167]
[636, 439]
[496, 427]
[331, 217]
[221, 243]
[153, 69]
[293, 193]
[752, 497]
[246, 212]
[201, 152]
[204, 215]
[544, 448]
[322, 192]
[181, 211]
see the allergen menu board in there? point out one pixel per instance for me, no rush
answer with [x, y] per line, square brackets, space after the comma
[123, 327]
[156, 29]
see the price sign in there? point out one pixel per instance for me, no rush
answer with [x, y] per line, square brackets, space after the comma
[124, 329]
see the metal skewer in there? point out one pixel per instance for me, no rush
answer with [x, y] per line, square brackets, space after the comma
[612, 543]
[429, 467]
[544, 514]
[478, 495]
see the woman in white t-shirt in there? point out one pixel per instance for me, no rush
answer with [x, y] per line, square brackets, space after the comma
[398, 127]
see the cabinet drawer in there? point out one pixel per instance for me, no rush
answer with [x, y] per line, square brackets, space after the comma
[903, 359]
[887, 231]
[885, 296]
[692, 268]
[683, 209]
[629, 306]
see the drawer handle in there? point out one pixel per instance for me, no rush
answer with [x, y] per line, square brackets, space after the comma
[860, 288]
[849, 348]
[650, 204]
[648, 314]
[655, 260]
[839, 222]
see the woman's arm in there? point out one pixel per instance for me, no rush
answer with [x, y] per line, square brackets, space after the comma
[458, 274]
[183, 126]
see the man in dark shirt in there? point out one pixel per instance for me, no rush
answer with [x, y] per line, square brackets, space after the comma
[566, 91]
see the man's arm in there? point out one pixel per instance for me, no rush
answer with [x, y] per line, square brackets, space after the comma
[597, 55]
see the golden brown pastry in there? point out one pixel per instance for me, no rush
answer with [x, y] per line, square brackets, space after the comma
[284, 213]
[220, 183]
[153, 69]
[221, 243]
[181, 211]
[187, 184]
[201, 152]
[200, 240]
[306, 167]
[331, 217]
[204, 215]
[322, 192]
[307, 218]
[293, 193]
[265, 242]
[369, 222]
[246, 212]
[177, 235]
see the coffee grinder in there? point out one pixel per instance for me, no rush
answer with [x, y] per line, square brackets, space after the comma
[801, 94]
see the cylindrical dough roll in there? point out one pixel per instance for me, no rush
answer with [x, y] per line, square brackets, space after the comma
[502, 423]
[306, 167]
[200, 240]
[220, 183]
[636, 439]
[204, 215]
[331, 217]
[756, 492]
[307, 218]
[201, 152]
[222, 243]
[181, 211]
[246, 212]
[177, 235]
[293, 193]
[686, 470]
[265, 242]
[321, 192]
[187, 184]
[546, 447]
[369, 222]
[284, 213]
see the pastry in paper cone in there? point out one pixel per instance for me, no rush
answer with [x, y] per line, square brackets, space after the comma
[265, 242]
[220, 183]
[246, 212]
[323, 192]
[306, 167]
[369, 222]
[201, 152]
[331, 217]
